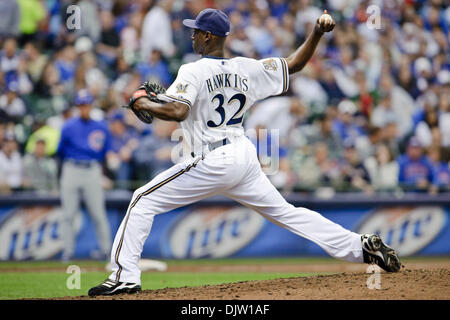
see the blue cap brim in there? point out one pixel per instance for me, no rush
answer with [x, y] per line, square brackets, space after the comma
[190, 23]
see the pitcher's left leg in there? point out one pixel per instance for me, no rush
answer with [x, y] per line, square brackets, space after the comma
[257, 193]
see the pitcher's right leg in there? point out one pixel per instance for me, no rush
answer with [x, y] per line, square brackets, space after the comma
[178, 186]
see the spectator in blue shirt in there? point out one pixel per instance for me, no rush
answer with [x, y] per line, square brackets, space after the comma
[441, 171]
[83, 147]
[415, 171]
[155, 70]
[345, 125]
[123, 143]
[154, 152]
[66, 64]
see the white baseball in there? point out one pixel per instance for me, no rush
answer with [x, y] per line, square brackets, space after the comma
[325, 19]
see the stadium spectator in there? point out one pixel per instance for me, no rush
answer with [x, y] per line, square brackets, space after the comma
[42, 131]
[9, 60]
[279, 113]
[308, 89]
[32, 13]
[108, 46]
[259, 36]
[155, 70]
[11, 102]
[157, 22]
[305, 13]
[353, 173]
[440, 169]
[405, 78]
[3, 116]
[400, 101]
[35, 61]
[11, 168]
[314, 171]
[50, 83]
[396, 77]
[123, 143]
[9, 18]
[40, 172]
[129, 35]
[344, 124]
[415, 171]
[322, 131]
[444, 118]
[238, 43]
[382, 169]
[154, 152]
[367, 144]
[366, 98]
[424, 128]
[66, 64]
[384, 113]
[90, 76]
[328, 82]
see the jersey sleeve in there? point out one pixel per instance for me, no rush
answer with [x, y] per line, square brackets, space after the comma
[184, 89]
[271, 77]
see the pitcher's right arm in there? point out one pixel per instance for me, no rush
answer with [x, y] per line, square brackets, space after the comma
[297, 60]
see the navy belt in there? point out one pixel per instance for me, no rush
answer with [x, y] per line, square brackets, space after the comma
[214, 145]
[83, 163]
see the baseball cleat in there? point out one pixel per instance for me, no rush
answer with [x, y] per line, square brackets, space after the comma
[109, 287]
[376, 251]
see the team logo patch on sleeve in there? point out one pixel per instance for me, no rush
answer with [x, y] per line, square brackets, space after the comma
[181, 88]
[270, 64]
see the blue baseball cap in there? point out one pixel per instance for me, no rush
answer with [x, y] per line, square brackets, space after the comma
[414, 142]
[212, 20]
[83, 97]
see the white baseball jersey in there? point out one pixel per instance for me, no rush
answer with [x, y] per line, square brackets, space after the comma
[219, 91]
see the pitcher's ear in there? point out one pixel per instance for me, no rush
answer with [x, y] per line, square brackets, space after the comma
[208, 35]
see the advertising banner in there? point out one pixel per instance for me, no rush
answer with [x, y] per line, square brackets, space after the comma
[33, 232]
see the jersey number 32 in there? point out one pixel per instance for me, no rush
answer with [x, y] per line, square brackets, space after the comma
[236, 118]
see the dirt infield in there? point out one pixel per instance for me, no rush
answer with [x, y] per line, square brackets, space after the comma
[411, 283]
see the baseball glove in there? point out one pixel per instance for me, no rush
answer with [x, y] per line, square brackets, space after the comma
[150, 91]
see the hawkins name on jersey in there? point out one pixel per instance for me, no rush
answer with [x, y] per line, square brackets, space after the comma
[227, 80]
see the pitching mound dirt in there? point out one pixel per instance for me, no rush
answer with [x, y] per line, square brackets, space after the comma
[405, 285]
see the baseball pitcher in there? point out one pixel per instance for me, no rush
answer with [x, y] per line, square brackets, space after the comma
[209, 98]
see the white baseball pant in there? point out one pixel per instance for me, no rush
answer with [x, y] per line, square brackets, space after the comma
[234, 171]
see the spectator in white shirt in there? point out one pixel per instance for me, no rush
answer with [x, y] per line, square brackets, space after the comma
[157, 30]
[10, 101]
[383, 170]
[10, 166]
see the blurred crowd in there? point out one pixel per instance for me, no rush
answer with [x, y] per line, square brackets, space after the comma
[370, 112]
